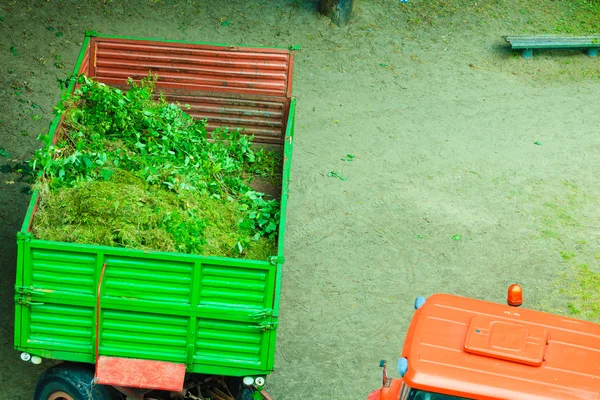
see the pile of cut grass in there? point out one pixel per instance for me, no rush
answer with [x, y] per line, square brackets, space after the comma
[137, 173]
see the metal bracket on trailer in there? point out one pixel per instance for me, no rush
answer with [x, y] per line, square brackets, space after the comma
[276, 260]
[262, 314]
[23, 296]
[267, 326]
[131, 393]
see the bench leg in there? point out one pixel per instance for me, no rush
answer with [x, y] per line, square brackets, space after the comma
[592, 52]
[527, 53]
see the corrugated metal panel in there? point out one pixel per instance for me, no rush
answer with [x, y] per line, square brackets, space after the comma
[57, 270]
[60, 327]
[231, 288]
[145, 279]
[143, 335]
[232, 87]
[193, 67]
[229, 343]
[265, 119]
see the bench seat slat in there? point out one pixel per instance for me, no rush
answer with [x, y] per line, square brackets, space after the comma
[549, 45]
[550, 42]
[591, 37]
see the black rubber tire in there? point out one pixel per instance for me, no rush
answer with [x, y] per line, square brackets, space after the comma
[73, 379]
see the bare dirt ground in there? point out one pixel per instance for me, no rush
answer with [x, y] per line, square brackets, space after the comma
[473, 168]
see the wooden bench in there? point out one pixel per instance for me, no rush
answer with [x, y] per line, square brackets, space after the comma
[527, 43]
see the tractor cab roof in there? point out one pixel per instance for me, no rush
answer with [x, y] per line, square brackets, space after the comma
[481, 350]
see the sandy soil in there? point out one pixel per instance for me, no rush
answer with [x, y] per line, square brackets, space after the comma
[443, 123]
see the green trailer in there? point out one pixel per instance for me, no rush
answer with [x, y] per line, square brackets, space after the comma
[188, 319]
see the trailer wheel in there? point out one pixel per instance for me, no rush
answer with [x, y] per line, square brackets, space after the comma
[70, 382]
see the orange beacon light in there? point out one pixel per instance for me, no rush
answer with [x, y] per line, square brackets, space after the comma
[515, 295]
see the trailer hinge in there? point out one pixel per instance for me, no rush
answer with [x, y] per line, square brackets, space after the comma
[267, 326]
[262, 314]
[277, 260]
[23, 290]
[24, 235]
[23, 296]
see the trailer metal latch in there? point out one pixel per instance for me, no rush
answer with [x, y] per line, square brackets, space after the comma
[267, 326]
[25, 301]
[23, 290]
[23, 296]
[262, 314]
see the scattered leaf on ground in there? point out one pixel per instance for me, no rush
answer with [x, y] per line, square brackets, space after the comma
[58, 34]
[567, 255]
[349, 157]
[225, 22]
[456, 237]
[537, 143]
[336, 174]
[419, 236]
[14, 52]
[4, 153]
[383, 64]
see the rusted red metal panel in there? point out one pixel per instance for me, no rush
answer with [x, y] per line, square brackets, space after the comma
[135, 373]
[261, 117]
[85, 64]
[233, 87]
[193, 67]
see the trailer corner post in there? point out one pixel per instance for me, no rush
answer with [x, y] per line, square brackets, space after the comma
[339, 11]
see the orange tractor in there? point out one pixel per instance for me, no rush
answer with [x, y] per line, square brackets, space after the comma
[458, 348]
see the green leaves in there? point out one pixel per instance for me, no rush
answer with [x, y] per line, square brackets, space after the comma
[263, 215]
[107, 130]
[337, 174]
